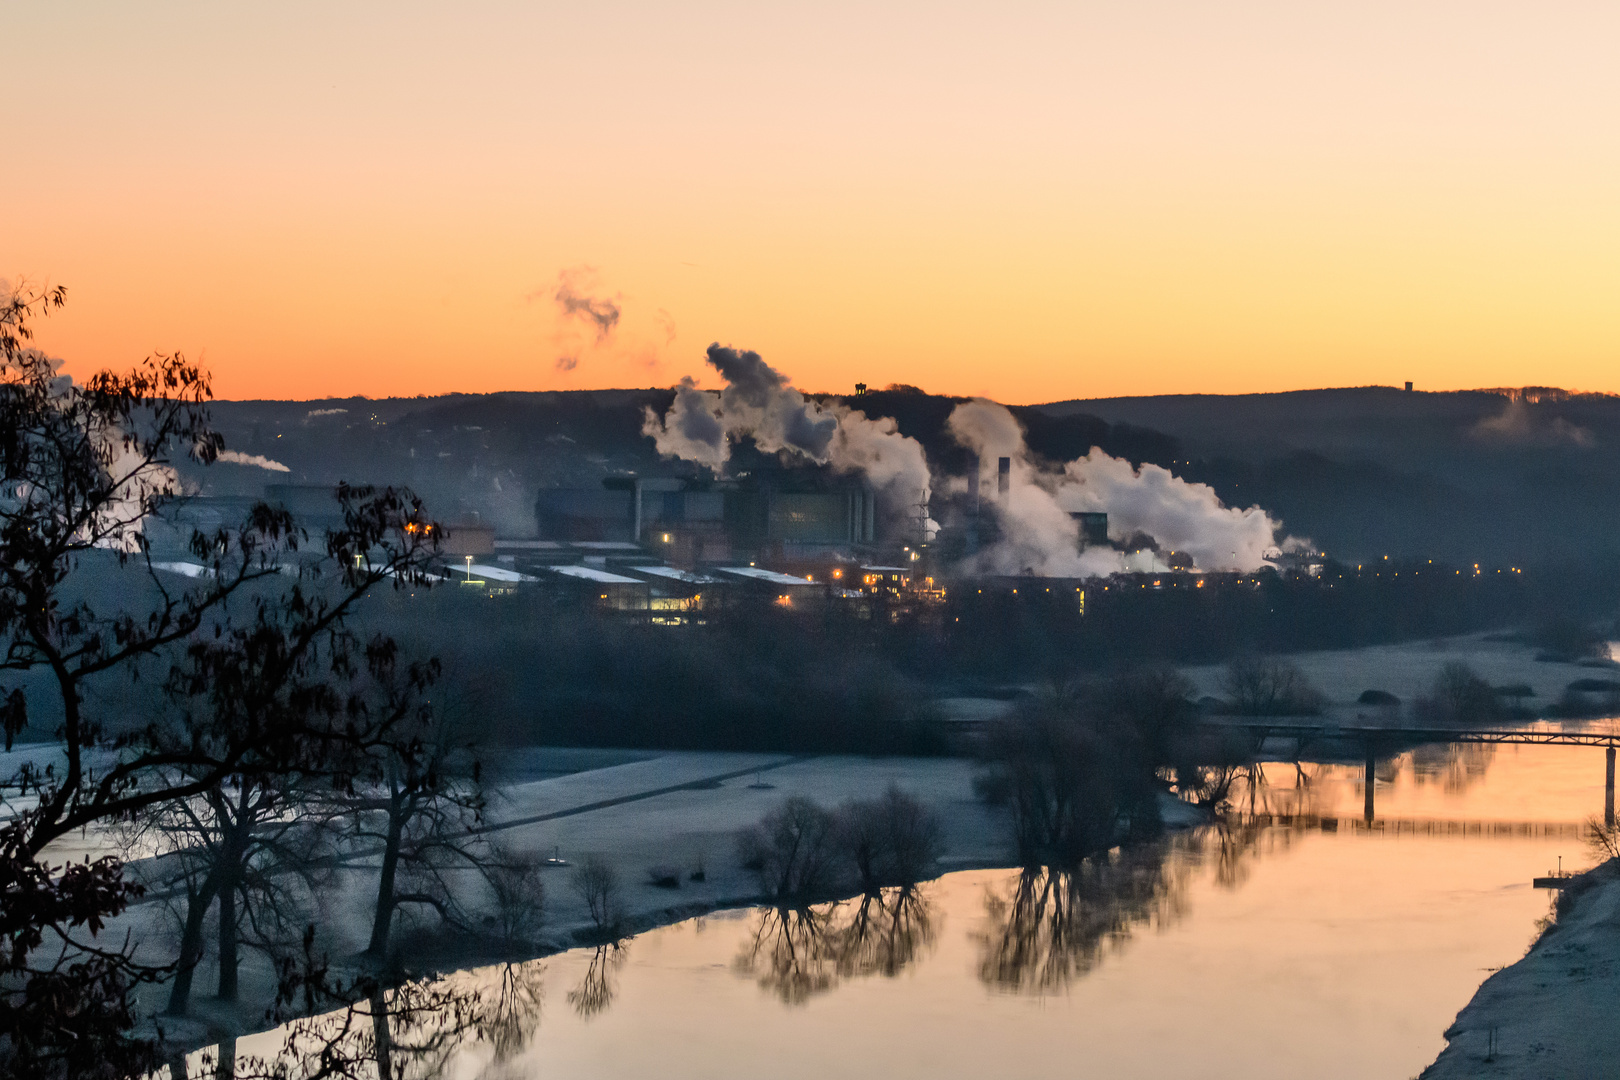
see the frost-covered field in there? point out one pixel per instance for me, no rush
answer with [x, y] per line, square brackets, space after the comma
[1409, 669]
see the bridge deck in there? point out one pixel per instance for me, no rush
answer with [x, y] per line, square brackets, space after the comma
[1367, 734]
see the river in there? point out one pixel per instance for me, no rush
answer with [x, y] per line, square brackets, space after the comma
[1292, 942]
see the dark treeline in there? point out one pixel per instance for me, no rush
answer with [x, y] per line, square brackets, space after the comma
[753, 676]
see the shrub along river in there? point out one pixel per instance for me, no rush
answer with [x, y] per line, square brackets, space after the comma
[1291, 941]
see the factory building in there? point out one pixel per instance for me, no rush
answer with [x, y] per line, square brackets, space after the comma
[615, 592]
[785, 590]
[787, 515]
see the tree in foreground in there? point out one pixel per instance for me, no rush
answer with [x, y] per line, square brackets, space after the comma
[83, 469]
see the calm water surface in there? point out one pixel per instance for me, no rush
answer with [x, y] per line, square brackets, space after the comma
[1258, 950]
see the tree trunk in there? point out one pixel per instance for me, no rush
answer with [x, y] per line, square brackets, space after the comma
[226, 1068]
[381, 1036]
[191, 944]
[227, 943]
[380, 923]
[235, 841]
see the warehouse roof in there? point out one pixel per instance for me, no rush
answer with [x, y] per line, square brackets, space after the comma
[675, 574]
[591, 573]
[498, 573]
[770, 577]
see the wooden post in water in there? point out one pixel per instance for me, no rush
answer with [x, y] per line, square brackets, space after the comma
[1608, 789]
[1367, 784]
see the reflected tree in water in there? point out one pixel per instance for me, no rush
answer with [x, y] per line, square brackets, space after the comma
[885, 932]
[512, 1020]
[788, 951]
[1054, 924]
[797, 952]
[1234, 844]
[595, 991]
[409, 1032]
[1457, 766]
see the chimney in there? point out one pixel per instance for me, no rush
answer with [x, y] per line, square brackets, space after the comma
[1409, 386]
[1003, 475]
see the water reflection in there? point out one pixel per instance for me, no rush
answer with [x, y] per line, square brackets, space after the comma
[1235, 844]
[410, 1032]
[595, 990]
[1054, 924]
[1319, 907]
[799, 952]
[515, 1017]
[1456, 766]
[1307, 789]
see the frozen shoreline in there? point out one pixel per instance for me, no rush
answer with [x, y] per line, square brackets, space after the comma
[648, 821]
[679, 809]
[1551, 1014]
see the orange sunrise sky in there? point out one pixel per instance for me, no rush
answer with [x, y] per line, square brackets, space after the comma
[1029, 201]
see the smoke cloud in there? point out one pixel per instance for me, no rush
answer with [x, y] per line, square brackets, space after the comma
[236, 457]
[1038, 535]
[760, 402]
[596, 311]
[692, 429]
[1518, 422]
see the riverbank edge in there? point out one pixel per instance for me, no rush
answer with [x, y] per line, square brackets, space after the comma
[1548, 1015]
[210, 1022]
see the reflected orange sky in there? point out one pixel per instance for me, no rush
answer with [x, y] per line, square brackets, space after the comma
[1058, 201]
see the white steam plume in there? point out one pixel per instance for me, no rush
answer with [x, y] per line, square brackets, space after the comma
[236, 457]
[759, 401]
[1038, 535]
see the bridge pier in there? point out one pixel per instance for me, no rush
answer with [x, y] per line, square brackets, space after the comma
[1367, 788]
[1608, 789]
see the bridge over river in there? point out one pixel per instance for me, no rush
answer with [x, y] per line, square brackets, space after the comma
[1383, 741]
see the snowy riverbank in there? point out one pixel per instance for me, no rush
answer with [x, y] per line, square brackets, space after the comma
[1551, 1015]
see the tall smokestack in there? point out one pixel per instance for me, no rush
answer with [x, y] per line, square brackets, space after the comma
[1003, 475]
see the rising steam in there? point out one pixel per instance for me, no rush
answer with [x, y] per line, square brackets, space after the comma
[236, 457]
[758, 401]
[1038, 535]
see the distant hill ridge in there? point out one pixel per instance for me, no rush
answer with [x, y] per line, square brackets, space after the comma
[1499, 476]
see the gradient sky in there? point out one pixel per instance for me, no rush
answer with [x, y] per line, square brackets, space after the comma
[1028, 201]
